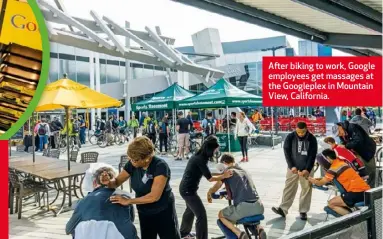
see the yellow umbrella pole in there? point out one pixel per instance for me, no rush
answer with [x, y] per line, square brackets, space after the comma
[67, 134]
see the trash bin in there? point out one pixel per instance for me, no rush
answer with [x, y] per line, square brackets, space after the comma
[223, 142]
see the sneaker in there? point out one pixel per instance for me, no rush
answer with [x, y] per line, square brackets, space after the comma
[303, 216]
[278, 211]
[243, 235]
[246, 159]
[178, 159]
[191, 235]
[243, 160]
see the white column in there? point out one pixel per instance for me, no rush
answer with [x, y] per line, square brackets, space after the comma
[127, 77]
[98, 77]
[91, 78]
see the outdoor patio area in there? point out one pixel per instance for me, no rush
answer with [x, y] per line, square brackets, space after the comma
[267, 167]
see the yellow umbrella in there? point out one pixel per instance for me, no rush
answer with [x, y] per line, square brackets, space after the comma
[65, 94]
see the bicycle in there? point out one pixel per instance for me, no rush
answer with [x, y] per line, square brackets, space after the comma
[193, 147]
[103, 141]
[73, 143]
[93, 138]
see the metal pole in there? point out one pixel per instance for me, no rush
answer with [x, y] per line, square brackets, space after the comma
[228, 128]
[127, 77]
[67, 135]
[33, 140]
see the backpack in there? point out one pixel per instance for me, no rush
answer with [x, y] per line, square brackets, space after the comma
[210, 127]
[102, 125]
[151, 129]
[76, 127]
[115, 123]
[42, 129]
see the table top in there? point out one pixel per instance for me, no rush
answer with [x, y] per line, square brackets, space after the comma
[48, 168]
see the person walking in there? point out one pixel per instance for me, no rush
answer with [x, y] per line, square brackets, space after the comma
[164, 134]
[242, 130]
[300, 148]
[183, 129]
[133, 125]
[155, 200]
[150, 125]
[42, 129]
[195, 169]
[72, 130]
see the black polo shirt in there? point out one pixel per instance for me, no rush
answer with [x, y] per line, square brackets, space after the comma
[142, 184]
[195, 169]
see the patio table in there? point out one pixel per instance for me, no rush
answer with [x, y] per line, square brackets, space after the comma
[52, 170]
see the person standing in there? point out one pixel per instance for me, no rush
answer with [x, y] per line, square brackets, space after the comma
[150, 125]
[122, 125]
[300, 148]
[43, 131]
[164, 134]
[183, 129]
[195, 169]
[242, 130]
[361, 120]
[56, 127]
[355, 138]
[82, 129]
[208, 125]
[155, 200]
[133, 125]
[190, 118]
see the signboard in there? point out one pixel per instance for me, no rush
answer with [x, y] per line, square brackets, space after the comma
[19, 25]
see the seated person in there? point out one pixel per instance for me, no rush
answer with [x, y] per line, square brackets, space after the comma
[95, 216]
[352, 184]
[347, 156]
[241, 189]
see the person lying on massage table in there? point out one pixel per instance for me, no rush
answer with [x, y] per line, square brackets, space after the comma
[350, 181]
[241, 189]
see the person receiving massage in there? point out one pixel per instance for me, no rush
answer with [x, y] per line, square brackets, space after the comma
[241, 189]
[351, 182]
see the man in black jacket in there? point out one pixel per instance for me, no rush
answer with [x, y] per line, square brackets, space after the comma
[300, 148]
[355, 138]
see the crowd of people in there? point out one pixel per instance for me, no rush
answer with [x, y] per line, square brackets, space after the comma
[350, 165]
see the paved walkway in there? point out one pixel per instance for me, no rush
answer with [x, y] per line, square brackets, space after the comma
[267, 167]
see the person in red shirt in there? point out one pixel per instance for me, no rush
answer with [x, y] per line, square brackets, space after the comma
[348, 156]
[353, 186]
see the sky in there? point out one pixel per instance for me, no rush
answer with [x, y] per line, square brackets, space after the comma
[176, 20]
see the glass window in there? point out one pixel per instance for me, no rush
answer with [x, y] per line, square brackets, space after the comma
[113, 71]
[122, 73]
[54, 70]
[71, 70]
[83, 76]
[102, 73]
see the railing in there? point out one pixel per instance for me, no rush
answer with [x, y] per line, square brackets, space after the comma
[364, 224]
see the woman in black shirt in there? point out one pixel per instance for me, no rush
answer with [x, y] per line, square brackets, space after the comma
[195, 169]
[154, 197]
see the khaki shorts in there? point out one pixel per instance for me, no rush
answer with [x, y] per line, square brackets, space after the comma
[183, 141]
[244, 209]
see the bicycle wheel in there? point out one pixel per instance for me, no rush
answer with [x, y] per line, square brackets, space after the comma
[102, 141]
[93, 139]
[196, 147]
[62, 145]
[217, 155]
[120, 139]
[379, 155]
[174, 148]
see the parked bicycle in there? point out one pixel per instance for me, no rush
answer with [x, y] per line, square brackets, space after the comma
[106, 139]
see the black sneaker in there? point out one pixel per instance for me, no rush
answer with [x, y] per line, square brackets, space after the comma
[191, 235]
[278, 211]
[178, 159]
[303, 216]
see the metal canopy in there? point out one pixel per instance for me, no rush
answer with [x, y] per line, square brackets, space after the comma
[90, 35]
[349, 25]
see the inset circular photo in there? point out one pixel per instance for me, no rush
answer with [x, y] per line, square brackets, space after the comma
[23, 65]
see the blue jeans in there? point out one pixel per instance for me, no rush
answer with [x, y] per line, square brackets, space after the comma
[82, 135]
[43, 141]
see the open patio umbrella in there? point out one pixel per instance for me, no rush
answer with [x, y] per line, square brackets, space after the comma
[67, 94]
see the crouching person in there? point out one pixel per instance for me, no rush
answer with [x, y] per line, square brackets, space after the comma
[97, 217]
[241, 189]
[348, 181]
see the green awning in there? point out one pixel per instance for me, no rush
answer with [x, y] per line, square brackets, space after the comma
[165, 100]
[220, 95]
